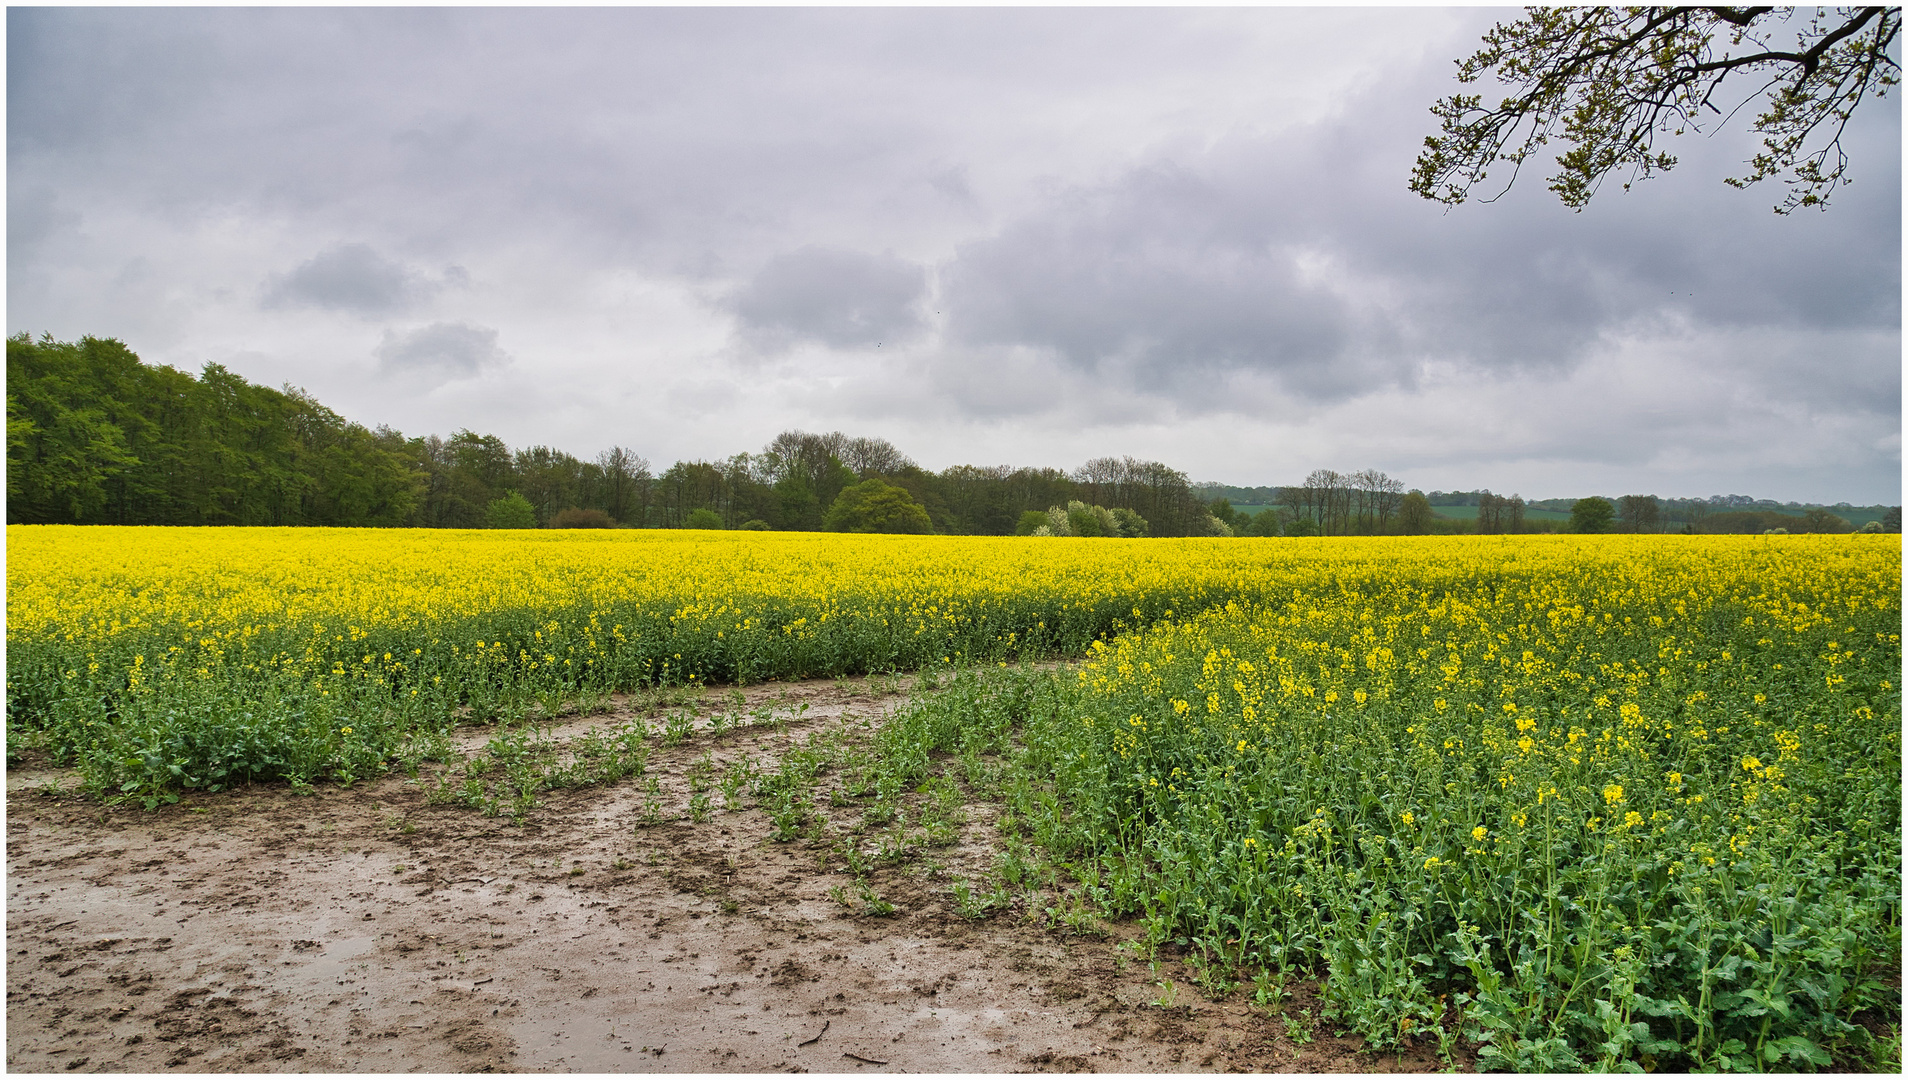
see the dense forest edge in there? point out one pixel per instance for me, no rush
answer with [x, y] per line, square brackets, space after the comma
[96, 436]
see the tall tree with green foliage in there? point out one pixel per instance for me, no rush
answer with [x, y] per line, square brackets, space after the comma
[552, 480]
[1222, 509]
[97, 437]
[876, 507]
[512, 511]
[1591, 515]
[688, 486]
[471, 471]
[63, 447]
[806, 473]
[1414, 514]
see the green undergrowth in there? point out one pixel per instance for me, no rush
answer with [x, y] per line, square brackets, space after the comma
[154, 711]
[509, 773]
[1553, 955]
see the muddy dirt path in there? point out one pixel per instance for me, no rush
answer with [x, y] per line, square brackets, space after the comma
[362, 930]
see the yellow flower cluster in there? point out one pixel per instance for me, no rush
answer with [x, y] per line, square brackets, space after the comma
[1547, 679]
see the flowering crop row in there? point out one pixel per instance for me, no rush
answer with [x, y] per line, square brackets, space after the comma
[158, 659]
[1636, 800]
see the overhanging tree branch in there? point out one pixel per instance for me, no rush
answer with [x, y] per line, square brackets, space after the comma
[1606, 82]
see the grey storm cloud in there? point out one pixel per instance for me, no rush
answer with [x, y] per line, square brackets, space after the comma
[454, 350]
[841, 298]
[349, 277]
[1089, 219]
[1156, 277]
[1233, 260]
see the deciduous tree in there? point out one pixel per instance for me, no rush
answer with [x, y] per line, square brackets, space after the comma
[702, 518]
[1414, 514]
[513, 511]
[1822, 520]
[625, 483]
[1640, 513]
[876, 507]
[1591, 515]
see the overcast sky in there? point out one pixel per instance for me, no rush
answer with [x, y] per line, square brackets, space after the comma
[989, 236]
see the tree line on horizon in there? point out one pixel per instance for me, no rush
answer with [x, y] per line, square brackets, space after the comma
[95, 436]
[1369, 503]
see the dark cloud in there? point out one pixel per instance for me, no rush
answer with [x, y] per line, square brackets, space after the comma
[1524, 284]
[448, 350]
[349, 277]
[953, 182]
[1116, 221]
[1154, 277]
[841, 298]
[1301, 257]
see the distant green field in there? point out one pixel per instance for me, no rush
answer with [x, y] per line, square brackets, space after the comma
[1859, 518]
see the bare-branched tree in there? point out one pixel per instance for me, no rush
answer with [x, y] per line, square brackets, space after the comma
[873, 457]
[622, 469]
[1640, 513]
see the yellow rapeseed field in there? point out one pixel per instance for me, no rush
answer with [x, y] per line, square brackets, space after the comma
[388, 618]
[1591, 802]
[1615, 799]
[327, 604]
[160, 658]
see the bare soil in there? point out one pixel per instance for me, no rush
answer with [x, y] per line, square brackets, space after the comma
[361, 930]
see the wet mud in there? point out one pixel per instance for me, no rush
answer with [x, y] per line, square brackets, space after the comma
[362, 930]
